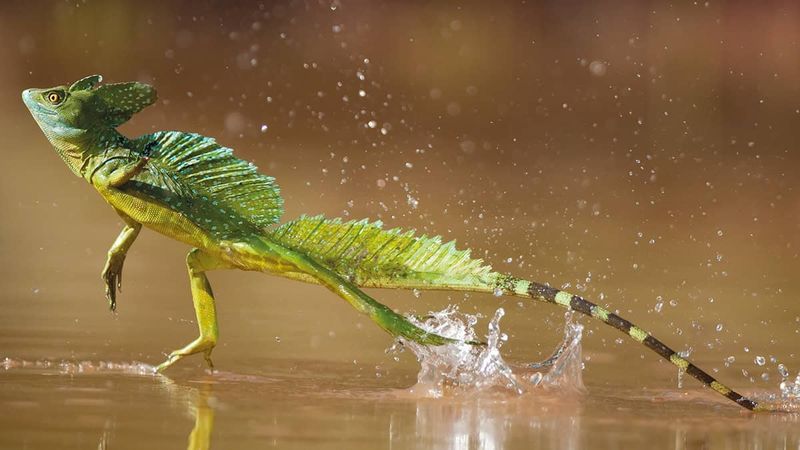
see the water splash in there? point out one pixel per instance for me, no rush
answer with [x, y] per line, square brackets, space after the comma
[67, 367]
[790, 391]
[566, 369]
[787, 399]
[463, 367]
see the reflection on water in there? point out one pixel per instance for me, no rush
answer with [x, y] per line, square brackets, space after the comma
[200, 437]
[490, 423]
[298, 409]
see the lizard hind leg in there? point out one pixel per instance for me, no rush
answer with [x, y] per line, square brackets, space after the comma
[198, 262]
[390, 321]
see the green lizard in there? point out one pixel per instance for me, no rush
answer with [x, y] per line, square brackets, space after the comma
[191, 189]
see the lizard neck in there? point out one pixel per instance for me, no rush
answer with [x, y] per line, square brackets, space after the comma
[79, 148]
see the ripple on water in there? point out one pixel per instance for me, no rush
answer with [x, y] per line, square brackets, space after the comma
[66, 367]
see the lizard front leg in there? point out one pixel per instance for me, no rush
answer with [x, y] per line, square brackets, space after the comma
[112, 272]
[110, 174]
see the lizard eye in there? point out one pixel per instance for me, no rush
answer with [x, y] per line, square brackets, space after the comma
[55, 97]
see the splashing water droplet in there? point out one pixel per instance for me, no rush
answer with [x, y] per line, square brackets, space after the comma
[468, 367]
[498, 292]
[760, 360]
[729, 360]
[790, 392]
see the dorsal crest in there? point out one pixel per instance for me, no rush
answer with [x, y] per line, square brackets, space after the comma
[197, 166]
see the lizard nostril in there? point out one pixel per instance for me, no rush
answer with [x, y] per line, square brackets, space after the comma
[27, 95]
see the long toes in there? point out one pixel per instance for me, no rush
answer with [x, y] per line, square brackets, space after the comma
[207, 356]
[171, 359]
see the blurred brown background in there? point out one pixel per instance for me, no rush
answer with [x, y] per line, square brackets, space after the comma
[643, 153]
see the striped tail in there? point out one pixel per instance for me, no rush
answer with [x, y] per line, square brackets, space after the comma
[369, 256]
[575, 303]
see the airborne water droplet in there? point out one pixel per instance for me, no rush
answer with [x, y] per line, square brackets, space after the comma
[783, 371]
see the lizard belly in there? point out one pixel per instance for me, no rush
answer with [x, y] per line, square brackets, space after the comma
[159, 218]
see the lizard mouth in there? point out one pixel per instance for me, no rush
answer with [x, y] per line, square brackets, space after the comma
[41, 110]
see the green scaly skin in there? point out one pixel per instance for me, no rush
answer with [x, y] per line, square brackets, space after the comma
[189, 188]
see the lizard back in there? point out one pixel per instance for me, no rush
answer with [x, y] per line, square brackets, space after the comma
[193, 175]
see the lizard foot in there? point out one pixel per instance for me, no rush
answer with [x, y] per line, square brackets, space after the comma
[201, 344]
[112, 277]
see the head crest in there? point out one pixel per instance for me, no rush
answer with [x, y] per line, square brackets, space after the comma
[116, 102]
[122, 100]
[85, 83]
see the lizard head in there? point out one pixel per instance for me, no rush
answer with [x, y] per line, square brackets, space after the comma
[67, 114]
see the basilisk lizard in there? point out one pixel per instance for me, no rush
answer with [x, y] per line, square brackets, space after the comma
[191, 189]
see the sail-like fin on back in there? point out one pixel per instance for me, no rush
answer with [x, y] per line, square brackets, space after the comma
[199, 167]
[372, 256]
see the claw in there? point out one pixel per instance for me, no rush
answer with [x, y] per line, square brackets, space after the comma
[207, 356]
[112, 299]
[112, 277]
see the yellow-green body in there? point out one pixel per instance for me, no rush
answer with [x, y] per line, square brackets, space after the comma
[190, 189]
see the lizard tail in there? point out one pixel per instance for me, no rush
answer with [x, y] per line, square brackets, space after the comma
[371, 257]
[536, 291]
